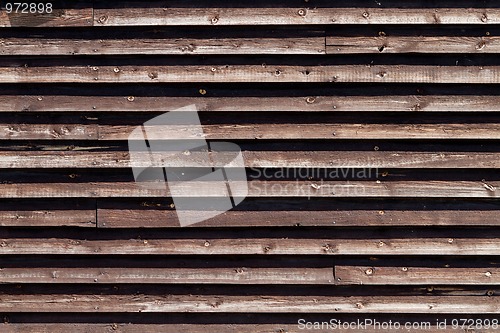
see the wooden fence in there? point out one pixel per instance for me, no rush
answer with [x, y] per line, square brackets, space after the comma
[378, 121]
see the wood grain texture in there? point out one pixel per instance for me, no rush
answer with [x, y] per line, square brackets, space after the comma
[48, 218]
[18, 131]
[236, 275]
[253, 159]
[412, 44]
[255, 246]
[245, 304]
[257, 189]
[307, 131]
[148, 328]
[65, 14]
[156, 15]
[416, 275]
[252, 131]
[415, 103]
[253, 73]
[131, 217]
[170, 328]
[163, 46]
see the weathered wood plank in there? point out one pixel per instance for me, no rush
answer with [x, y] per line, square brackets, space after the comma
[252, 73]
[48, 218]
[258, 189]
[236, 275]
[416, 275]
[256, 304]
[192, 328]
[34, 213]
[451, 103]
[256, 159]
[16, 131]
[156, 15]
[150, 328]
[253, 246]
[252, 131]
[163, 46]
[132, 217]
[412, 44]
[64, 14]
[307, 131]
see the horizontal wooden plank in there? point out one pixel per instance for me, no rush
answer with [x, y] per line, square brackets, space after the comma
[420, 103]
[253, 246]
[18, 131]
[416, 275]
[156, 15]
[412, 44]
[257, 189]
[251, 73]
[237, 275]
[252, 131]
[152, 328]
[256, 159]
[132, 217]
[248, 304]
[40, 213]
[307, 131]
[47, 218]
[194, 328]
[163, 46]
[63, 14]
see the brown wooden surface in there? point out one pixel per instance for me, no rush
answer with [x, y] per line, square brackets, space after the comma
[244, 304]
[451, 103]
[257, 189]
[412, 44]
[252, 73]
[416, 275]
[287, 16]
[242, 246]
[172, 328]
[405, 90]
[254, 159]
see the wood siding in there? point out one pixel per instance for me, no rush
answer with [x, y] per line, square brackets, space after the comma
[370, 131]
